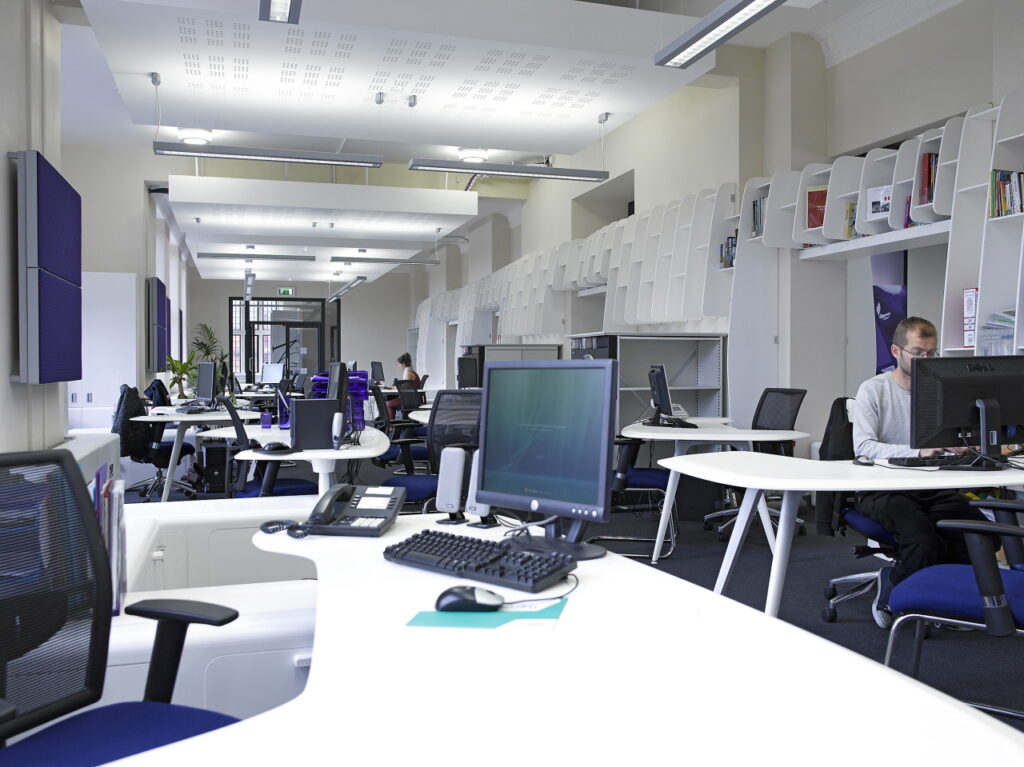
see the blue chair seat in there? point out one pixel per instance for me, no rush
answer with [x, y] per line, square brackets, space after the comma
[952, 590]
[421, 431]
[283, 486]
[166, 447]
[418, 487]
[419, 452]
[390, 455]
[868, 527]
[646, 478]
[103, 734]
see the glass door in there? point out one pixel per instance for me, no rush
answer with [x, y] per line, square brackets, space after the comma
[284, 331]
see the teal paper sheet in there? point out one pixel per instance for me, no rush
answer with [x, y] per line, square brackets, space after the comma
[490, 620]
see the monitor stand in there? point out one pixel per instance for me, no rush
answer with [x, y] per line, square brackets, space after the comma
[555, 543]
[988, 419]
[660, 419]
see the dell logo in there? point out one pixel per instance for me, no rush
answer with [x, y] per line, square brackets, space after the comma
[980, 367]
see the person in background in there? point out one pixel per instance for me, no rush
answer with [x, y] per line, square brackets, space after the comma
[406, 373]
[881, 429]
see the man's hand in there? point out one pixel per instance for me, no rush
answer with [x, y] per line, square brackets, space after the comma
[928, 452]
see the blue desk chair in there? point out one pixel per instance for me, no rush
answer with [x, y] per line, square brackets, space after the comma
[266, 481]
[980, 596]
[454, 422]
[55, 612]
[400, 432]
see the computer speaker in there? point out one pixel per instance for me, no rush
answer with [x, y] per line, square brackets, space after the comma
[473, 506]
[449, 485]
[337, 429]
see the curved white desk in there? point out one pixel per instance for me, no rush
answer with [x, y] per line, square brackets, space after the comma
[420, 416]
[185, 421]
[709, 431]
[371, 444]
[796, 476]
[381, 692]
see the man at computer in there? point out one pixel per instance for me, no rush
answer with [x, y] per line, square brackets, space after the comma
[881, 429]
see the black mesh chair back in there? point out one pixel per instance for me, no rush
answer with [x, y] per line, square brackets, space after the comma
[382, 421]
[423, 385]
[238, 471]
[454, 422]
[408, 396]
[135, 437]
[299, 383]
[55, 593]
[777, 410]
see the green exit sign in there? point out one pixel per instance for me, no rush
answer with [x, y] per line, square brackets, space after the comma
[286, 291]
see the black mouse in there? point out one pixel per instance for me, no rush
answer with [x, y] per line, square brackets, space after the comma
[275, 447]
[468, 599]
[863, 460]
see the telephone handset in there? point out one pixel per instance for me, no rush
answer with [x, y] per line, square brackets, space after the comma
[347, 510]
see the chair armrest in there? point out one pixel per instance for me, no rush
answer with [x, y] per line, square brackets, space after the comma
[407, 441]
[628, 441]
[1000, 503]
[1005, 511]
[173, 618]
[981, 548]
[7, 710]
[464, 445]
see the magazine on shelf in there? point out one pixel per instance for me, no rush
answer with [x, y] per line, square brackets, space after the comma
[879, 199]
[816, 197]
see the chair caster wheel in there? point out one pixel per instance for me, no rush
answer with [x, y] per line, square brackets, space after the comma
[708, 525]
[723, 537]
[829, 615]
[830, 592]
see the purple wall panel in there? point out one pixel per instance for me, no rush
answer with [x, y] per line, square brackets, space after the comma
[60, 330]
[59, 224]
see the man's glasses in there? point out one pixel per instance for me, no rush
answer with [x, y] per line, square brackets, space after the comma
[920, 354]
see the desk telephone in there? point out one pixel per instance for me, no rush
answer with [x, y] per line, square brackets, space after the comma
[355, 510]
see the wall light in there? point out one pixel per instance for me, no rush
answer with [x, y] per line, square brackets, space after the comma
[496, 169]
[283, 11]
[727, 20]
[345, 289]
[269, 155]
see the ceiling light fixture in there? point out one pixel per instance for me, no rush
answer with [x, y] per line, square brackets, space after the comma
[347, 260]
[250, 281]
[497, 169]
[268, 155]
[195, 136]
[258, 256]
[282, 11]
[727, 20]
[472, 155]
[345, 289]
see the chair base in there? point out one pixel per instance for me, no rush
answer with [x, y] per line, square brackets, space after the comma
[671, 542]
[724, 530]
[863, 585]
[921, 621]
[147, 488]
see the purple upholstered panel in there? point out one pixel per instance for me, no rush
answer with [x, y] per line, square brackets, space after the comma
[60, 329]
[59, 224]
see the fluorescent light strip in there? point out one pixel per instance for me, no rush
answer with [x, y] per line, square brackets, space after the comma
[212, 151]
[345, 289]
[283, 11]
[362, 260]
[497, 169]
[725, 21]
[258, 256]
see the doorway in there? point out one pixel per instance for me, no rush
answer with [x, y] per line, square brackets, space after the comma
[277, 330]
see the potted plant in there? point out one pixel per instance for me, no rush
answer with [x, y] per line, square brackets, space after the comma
[181, 370]
[206, 344]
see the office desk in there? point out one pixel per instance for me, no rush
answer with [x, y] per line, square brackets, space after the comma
[381, 692]
[420, 416]
[185, 421]
[709, 432]
[796, 476]
[371, 444]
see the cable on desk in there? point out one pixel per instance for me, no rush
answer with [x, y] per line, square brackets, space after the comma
[295, 529]
[576, 583]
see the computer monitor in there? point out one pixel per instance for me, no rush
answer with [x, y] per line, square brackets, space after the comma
[468, 371]
[352, 365]
[271, 372]
[376, 372]
[967, 401]
[333, 379]
[204, 383]
[660, 398]
[546, 434]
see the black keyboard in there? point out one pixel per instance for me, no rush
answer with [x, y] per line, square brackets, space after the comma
[954, 462]
[194, 409]
[496, 562]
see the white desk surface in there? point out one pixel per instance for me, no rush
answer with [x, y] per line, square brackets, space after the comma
[381, 692]
[167, 415]
[371, 444]
[764, 470]
[420, 416]
[252, 431]
[710, 430]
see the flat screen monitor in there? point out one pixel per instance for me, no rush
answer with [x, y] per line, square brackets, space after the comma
[661, 399]
[272, 372]
[546, 434]
[967, 401]
[352, 365]
[204, 385]
[333, 379]
[376, 372]
[468, 372]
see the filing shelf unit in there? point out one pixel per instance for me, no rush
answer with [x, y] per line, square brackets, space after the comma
[693, 368]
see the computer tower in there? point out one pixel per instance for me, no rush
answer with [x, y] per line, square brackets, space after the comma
[311, 421]
[215, 467]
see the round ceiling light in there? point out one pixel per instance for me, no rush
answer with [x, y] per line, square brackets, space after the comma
[195, 135]
[472, 155]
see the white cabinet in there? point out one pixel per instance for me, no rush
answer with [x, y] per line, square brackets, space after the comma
[109, 330]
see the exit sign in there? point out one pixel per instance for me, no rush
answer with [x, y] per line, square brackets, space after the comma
[286, 291]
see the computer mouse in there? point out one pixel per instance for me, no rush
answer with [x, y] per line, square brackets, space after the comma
[863, 460]
[275, 447]
[468, 599]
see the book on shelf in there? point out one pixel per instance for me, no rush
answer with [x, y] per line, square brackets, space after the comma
[727, 251]
[970, 316]
[816, 197]
[850, 221]
[879, 199]
[1004, 320]
[929, 167]
[1006, 193]
[757, 222]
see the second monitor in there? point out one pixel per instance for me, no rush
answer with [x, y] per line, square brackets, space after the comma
[662, 401]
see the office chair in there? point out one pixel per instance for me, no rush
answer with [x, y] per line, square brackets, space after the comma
[266, 481]
[979, 596]
[776, 410]
[454, 422]
[408, 397]
[399, 432]
[143, 443]
[55, 613]
[635, 490]
[299, 383]
[835, 512]
[423, 385]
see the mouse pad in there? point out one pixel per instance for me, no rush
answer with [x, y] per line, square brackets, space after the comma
[515, 613]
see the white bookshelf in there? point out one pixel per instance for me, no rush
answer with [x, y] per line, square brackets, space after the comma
[781, 210]
[815, 174]
[651, 295]
[641, 272]
[903, 181]
[949, 152]
[697, 255]
[879, 170]
[672, 310]
[718, 280]
[843, 191]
